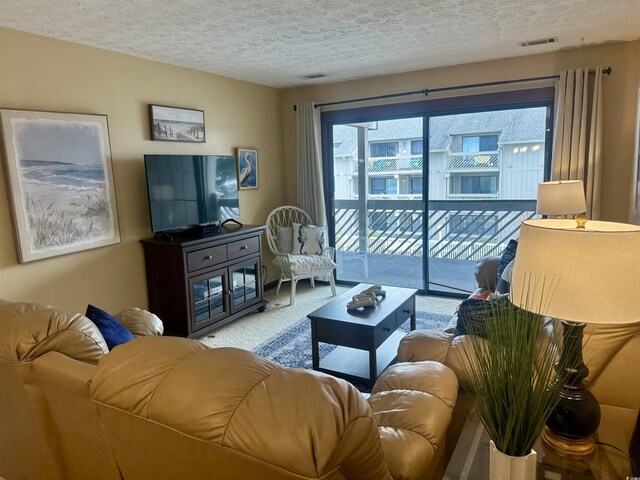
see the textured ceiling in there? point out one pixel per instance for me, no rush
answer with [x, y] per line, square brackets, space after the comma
[275, 42]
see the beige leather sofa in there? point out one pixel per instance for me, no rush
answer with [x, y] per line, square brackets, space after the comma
[611, 353]
[171, 408]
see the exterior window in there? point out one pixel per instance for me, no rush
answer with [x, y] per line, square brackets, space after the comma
[480, 143]
[476, 225]
[415, 186]
[383, 186]
[386, 149]
[416, 147]
[479, 184]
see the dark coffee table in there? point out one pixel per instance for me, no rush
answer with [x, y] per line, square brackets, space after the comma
[367, 338]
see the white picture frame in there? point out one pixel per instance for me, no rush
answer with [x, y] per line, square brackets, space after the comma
[60, 180]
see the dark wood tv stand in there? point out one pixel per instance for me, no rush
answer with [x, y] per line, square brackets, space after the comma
[199, 282]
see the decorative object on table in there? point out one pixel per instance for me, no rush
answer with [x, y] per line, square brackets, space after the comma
[367, 297]
[598, 272]
[561, 198]
[294, 267]
[172, 124]
[247, 168]
[60, 180]
[513, 382]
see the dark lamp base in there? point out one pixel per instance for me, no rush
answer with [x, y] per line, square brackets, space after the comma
[569, 447]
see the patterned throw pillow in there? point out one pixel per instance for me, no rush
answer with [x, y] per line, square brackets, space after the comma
[508, 255]
[504, 282]
[309, 239]
[473, 312]
[285, 239]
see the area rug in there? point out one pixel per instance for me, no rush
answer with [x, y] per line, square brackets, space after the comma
[292, 347]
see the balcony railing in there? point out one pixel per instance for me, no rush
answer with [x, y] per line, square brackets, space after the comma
[457, 229]
[473, 161]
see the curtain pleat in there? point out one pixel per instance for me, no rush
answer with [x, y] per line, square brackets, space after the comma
[310, 181]
[577, 138]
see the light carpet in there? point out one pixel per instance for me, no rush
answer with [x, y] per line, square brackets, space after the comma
[292, 347]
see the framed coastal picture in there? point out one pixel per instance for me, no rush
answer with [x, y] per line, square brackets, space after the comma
[60, 181]
[635, 210]
[247, 168]
[172, 124]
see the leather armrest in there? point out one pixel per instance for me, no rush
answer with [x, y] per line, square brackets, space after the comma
[140, 322]
[412, 404]
[422, 345]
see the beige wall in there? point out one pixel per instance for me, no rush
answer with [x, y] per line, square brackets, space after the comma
[43, 74]
[620, 91]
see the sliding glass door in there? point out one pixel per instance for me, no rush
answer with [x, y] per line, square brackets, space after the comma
[378, 202]
[417, 200]
[484, 170]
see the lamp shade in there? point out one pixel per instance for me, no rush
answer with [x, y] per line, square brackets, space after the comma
[589, 275]
[564, 197]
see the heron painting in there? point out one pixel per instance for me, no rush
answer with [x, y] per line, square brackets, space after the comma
[247, 168]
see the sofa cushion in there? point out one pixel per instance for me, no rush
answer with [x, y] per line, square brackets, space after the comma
[486, 271]
[112, 330]
[30, 330]
[309, 239]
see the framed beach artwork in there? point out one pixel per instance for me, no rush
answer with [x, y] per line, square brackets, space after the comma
[58, 169]
[634, 213]
[247, 168]
[172, 124]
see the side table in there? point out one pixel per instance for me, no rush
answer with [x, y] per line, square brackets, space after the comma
[470, 458]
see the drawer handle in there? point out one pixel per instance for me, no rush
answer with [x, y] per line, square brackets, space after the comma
[208, 257]
[386, 329]
[243, 247]
[406, 310]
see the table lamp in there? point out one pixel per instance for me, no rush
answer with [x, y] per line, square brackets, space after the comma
[580, 276]
[562, 197]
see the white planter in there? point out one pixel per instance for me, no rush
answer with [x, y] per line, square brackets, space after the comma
[506, 467]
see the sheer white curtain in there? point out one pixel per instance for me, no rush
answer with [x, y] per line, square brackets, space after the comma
[310, 182]
[577, 136]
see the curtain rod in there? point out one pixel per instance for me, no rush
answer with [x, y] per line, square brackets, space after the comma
[427, 91]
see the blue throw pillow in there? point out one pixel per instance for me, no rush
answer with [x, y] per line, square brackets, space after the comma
[112, 330]
[507, 256]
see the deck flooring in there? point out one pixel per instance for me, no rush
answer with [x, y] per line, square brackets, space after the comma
[405, 271]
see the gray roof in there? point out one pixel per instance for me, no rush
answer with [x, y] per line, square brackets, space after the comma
[512, 125]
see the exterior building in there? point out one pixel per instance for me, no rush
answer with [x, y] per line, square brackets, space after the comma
[481, 167]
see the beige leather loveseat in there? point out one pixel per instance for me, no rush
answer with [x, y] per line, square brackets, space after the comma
[171, 408]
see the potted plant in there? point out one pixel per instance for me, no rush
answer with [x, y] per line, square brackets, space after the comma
[512, 363]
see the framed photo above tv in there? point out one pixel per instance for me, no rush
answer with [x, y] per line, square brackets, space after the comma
[60, 180]
[172, 124]
[247, 168]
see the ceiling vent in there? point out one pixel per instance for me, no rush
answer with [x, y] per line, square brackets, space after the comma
[539, 41]
[313, 76]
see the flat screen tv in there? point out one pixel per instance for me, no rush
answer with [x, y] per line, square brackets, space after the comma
[191, 190]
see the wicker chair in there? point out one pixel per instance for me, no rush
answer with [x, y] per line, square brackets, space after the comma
[296, 267]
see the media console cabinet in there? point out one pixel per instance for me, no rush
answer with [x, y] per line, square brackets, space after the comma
[199, 282]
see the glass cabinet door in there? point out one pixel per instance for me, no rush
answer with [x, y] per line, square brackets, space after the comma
[246, 280]
[209, 299]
